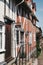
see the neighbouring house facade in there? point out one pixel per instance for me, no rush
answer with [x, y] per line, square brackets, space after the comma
[39, 35]
[41, 41]
[17, 27]
[38, 40]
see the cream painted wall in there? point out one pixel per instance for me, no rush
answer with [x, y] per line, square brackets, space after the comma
[11, 15]
[2, 57]
[1, 10]
[13, 41]
[9, 12]
[7, 8]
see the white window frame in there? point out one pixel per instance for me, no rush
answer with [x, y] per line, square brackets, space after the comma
[20, 36]
[30, 38]
[3, 38]
[34, 36]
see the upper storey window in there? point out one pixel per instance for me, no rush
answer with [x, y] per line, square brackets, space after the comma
[34, 21]
[26, 15]
[34, 6]
[29, 3]
[20, 11]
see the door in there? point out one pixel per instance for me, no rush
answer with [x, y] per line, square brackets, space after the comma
[8, 41]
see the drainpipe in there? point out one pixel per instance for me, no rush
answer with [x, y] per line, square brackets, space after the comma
[20, 3]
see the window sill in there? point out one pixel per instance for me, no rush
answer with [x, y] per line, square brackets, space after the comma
[2, 51]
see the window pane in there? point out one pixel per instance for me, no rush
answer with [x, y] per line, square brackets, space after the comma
[17, 37]
[22, 37]
[0, 28]
[0, 40]
[30, 38]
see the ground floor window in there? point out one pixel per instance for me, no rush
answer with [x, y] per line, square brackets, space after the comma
[0, 37]
[17, 32]
[30, 37]
[19, 36]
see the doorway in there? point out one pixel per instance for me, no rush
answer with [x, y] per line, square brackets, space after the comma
[8, 42]
[8, 56]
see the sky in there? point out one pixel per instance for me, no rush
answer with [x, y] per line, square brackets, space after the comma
[39, 12]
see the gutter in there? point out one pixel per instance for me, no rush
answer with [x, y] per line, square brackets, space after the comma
[20, 3]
